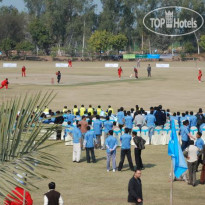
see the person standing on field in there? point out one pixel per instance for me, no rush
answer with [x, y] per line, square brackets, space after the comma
[149, 69]
[135, 189]
[58, 76]
[120, 72]
[52, 197]
[136, 73]
[199, 75]
[23, 70]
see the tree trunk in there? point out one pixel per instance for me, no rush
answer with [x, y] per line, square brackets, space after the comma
[197, 41]
[142, 44]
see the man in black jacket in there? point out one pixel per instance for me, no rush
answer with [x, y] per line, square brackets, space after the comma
[135, 189]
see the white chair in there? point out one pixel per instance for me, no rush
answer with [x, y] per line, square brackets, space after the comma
[117, 133]
[166, 135]
[145, 134]
[137, 130]
[193, 131]
[157, 138]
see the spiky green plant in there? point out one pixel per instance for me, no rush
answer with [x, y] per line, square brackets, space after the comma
[21, 143]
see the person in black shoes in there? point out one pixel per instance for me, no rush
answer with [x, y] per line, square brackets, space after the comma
[125, 150]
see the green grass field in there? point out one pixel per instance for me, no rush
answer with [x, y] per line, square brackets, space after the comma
[87, 83]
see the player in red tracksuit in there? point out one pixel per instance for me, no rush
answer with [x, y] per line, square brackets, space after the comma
[23, 70]
[199, 75]
[119, 72]
[4, 83]
[19, 199]
[69, 63]
[136, 72]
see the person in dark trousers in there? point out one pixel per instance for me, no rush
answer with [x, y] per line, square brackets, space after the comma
[58, 76]
[52, 197]
[59, 120]
[202, 178]
[125, 150]
[149, 69]
[135, 189]
[200, 118]
[160, 117]
[89, 144]
[139, 146]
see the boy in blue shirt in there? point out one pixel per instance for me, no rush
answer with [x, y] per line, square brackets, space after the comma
[89, 143]
[111, 144]
[120, 118]
[125, 150]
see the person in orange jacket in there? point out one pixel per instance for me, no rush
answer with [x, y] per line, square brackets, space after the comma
[23, 70]
[4, 83]
[23, 197]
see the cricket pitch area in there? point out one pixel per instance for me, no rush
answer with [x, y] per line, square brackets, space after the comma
[176, 88]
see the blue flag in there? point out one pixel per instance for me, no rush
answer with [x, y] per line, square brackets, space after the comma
[175, 151]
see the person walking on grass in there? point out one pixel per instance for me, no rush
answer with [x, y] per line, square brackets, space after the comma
[135, 189]
[111, 145]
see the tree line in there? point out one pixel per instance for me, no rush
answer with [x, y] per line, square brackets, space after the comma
[74, 28]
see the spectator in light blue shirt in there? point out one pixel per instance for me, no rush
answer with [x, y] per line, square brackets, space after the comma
[111, 144]
[68, 128]
[182, 119]
[120, 117]
[97, 127]
[70, 117]
[77, 135]
[89, 143]
[185, 135]
[108, 125]
[129, 121]
[199, 143]
[125, 150]
[150, 120]
[192, 120]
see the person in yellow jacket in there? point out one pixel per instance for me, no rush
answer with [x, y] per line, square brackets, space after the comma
[46, 110]
[90, 110]
[110, 109]
[65, 109]
[75, 109]
[82, 110]
[99, 110]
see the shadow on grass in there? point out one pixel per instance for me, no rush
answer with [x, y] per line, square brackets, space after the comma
[149, 165]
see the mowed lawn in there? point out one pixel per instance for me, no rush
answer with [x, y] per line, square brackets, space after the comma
[90, 184]
[87, 83]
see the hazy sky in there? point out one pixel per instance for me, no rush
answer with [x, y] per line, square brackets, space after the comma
[19, 4]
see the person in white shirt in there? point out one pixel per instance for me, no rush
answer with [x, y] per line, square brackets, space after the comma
[192, 159]
[52, 197]
[139, 120]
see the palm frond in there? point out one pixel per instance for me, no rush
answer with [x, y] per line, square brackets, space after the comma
[21, 152]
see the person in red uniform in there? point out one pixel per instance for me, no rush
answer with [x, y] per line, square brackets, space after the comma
[21, 197]
[69, 63]
[4, 83]
[23, 70]
[199, 75]
[119, 72]
[136, 72]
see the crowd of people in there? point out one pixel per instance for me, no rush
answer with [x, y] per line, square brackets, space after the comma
[86, 126]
